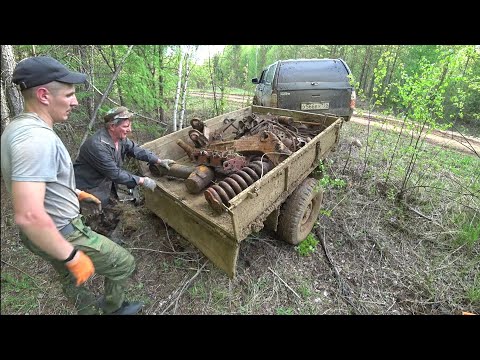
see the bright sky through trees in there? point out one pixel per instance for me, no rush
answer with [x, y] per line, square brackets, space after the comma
[204, 51]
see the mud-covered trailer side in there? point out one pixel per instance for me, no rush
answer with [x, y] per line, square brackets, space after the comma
[219, 236]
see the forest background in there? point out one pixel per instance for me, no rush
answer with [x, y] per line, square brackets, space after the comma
[155, 80]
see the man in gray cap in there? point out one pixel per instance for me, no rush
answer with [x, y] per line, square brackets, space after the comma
[38, 172]
[98, 168]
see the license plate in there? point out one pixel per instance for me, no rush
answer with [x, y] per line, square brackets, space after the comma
[315, 106]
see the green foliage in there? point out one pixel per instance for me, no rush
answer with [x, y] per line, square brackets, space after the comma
[307, 246]
[473, 293]
[325, 181]
[305, 290]
[154, 130]
[285, 311]
[326, 212]
[469, 234]
[21, 292]
[197, 291]
[438, 85]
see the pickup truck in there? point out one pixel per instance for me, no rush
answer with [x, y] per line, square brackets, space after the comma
[284, 196]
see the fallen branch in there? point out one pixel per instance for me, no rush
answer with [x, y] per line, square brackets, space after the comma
[345, 290]
[284, 283]
[422, 215]
[182, 289]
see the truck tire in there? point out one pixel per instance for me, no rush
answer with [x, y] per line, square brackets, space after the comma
[299, 212]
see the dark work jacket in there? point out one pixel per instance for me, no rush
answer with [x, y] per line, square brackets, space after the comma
[99, 165]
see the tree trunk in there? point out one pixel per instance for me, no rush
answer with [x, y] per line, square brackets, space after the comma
[4, 107]
[185, 86]
[12, 100]
[161, 110]
[179, 86]
[88, 68]
[362, 81]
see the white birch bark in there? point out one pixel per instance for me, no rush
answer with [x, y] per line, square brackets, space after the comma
[12, 100]
[188, 56]
[179, 85]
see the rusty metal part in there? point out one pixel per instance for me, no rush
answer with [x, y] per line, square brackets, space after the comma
[218, 134]
[176, 170]
[214, 200]
[220, 194]
[198, 138]
[234, 163]
[264, 142]
[199, 179]
[186, 147]
[225, 162]
[285, 120]
[199, 125]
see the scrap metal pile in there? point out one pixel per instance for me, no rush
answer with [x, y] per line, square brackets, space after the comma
[260, 142]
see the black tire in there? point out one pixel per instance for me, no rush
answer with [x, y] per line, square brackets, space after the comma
[299, 212]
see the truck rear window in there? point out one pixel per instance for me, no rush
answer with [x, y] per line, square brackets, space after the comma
[306, 71]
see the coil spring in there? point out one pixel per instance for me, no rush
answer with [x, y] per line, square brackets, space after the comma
[234, 184]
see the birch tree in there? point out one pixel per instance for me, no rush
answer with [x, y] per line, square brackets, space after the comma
[189, 55]
[11, 99]
[179, 86]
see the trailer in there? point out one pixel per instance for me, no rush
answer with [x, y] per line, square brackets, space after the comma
[285, 198]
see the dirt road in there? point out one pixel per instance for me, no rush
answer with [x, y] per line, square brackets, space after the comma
[245, 99]
[451, 139]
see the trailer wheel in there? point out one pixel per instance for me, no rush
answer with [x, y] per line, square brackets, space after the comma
[299, 212]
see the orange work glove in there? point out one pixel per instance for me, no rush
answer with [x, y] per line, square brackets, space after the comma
[90, 199]
[81, 267]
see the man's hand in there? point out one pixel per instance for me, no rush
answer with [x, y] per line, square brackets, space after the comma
[91, 202]
[166, 163]
[149, 183]
[81, 267]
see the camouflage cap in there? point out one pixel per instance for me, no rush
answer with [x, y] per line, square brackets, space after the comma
[117, 114]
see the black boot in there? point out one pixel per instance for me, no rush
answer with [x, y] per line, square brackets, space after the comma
[128, 308]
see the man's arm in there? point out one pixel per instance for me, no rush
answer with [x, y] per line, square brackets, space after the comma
[33, 220]
[101, 158]
[139, 153]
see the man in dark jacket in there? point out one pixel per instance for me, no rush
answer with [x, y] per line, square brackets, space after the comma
[98, 167]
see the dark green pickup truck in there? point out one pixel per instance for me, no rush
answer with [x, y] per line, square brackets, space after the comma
[313, 85]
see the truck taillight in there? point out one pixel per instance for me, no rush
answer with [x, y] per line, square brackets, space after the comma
[274, 100]
[353, 99]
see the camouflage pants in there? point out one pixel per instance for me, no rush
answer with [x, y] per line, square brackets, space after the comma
[112, 261]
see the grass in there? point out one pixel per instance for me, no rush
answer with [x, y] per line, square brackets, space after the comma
[285, 311]
[469, 235]
[383, 257]
[20, 293]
